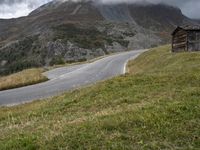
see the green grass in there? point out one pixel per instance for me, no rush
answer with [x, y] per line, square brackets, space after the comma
[23, 78]
[155, 106]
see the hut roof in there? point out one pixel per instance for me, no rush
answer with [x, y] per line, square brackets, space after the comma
[187, 28]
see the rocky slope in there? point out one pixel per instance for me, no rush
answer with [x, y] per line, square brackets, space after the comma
[60, 32]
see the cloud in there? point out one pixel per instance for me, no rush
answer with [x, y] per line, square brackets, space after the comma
[189, 7]
[17, 8]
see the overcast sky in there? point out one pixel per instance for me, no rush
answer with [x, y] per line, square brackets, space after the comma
[17, 8]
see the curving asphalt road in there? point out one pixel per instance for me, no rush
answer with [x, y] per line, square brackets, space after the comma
[67, 78]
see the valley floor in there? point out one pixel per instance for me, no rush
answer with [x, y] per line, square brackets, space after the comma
[155, 106]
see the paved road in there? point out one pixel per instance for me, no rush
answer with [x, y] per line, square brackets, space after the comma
[67, 78]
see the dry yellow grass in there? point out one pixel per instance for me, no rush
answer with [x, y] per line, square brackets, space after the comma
[23, 78]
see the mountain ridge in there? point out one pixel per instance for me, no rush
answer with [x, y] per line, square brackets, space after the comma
[77, 31]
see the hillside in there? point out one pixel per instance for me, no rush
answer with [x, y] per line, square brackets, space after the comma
[60, 32]
[23, 78]
[155, 106]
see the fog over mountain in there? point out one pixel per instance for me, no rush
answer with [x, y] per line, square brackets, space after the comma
[17, 8]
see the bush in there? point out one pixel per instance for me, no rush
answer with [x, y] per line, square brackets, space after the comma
[57, 61]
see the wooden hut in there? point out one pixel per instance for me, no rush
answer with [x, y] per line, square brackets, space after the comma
[186, 38]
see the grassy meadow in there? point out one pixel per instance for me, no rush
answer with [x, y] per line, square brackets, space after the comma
[23, 78]
[154, 106]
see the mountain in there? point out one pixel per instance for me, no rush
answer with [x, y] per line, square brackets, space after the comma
[67, 31]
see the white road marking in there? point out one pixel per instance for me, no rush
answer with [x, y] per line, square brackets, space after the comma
[93, 72]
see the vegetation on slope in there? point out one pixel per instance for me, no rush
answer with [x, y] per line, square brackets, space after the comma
[155, 106]
[89, 38]
[23, 54]
[67, 43]
[23, 78]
